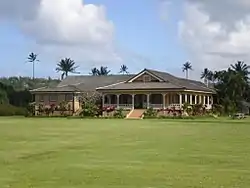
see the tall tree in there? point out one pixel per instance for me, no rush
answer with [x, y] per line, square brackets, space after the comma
[103, 71]
[66, 66]
[207, 75]
[241, 68]
[94, 71]
[186, 67]
[123, 69]
[32, 58]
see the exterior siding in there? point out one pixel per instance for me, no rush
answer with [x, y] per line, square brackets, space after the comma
[60, 97]
[140, 79]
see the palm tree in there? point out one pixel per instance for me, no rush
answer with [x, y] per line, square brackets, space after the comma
[94, 72]
[241, 68]
[103, 71]
[66, 66]
[186, 67]
[207, 75]
[32, 58]
[123, 69]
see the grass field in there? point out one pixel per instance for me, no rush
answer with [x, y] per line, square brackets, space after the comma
[61, 153]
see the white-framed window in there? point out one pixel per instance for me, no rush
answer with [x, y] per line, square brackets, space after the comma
[69, 97]
[52, 97]
[146, 78]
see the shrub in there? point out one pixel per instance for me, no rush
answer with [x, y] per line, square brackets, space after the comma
[89, 109]
[150, 112]
[119, 114]
[9, 110]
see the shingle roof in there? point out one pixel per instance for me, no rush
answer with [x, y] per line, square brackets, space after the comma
[170, 82]
[84, 83]
[68, 88]
[120, 82]
[140, 85]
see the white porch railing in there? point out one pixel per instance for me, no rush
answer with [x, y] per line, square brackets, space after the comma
[177, 106]
[109, 105]
[156, 106]
[126, 106]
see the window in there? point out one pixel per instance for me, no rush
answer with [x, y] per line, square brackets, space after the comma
[146, 78]
[41, 97]
[69, 97]
[53, 97]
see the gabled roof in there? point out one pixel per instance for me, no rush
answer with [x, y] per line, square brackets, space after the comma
[166, 81]
[68, 88]
[89, 83]
[84, 83]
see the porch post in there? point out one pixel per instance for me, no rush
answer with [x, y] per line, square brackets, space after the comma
[186, 98]
[180, 100]
[212, 100]
[191, 99]
[133, 101]
[103, 100]
[148, 97]
[204, 100]
[118, 100]
[195, 99]
[208, 100]
[200, 99]
[164, 100]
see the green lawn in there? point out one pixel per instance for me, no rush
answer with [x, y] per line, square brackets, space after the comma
[63, 153]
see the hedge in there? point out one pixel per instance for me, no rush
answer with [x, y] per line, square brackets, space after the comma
[10, 110]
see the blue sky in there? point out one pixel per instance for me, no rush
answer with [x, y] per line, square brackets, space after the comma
[139, 30]
[125, 32]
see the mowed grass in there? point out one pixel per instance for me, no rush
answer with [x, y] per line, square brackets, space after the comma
[64, 153]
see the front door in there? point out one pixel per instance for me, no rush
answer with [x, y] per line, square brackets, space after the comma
[140, 101]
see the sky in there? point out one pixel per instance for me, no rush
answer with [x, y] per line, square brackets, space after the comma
[156, 34]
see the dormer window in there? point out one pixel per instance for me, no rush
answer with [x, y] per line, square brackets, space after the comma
[147, 78]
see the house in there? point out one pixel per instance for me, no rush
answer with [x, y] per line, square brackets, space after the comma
[148, 88]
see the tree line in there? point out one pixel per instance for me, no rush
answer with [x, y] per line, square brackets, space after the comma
[231, 85]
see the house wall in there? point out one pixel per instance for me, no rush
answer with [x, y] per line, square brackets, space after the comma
[48, 99]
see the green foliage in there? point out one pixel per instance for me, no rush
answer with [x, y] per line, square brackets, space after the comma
[90, 109]
[103, 71]
[31, 109]
[66, 66]
[119, 113]
[3, 97]
[150, 112]
[9, 110]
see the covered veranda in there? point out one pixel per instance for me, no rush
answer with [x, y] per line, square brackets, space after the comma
[155, 100]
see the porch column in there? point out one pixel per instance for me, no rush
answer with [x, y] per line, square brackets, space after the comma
[204, 100]
[117, 100]
[200, 99]
[133, 101]
[186, 98]
[180, 100]
[191, 99]
[103, 100]
[195, 99]
[164, 100]
[148, 97]
[208, 98]
[212, 100]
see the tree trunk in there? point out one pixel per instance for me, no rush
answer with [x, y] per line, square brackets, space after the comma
[33, 71]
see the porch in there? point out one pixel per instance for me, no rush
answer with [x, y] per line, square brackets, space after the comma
[155, 100]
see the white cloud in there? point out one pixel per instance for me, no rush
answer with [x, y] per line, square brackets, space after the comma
[215, 33]
[164, 6]
[64, 28]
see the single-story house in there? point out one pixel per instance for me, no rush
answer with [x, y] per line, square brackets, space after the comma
[148, 88]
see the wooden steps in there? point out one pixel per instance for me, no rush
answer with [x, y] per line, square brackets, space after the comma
[135, 114]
